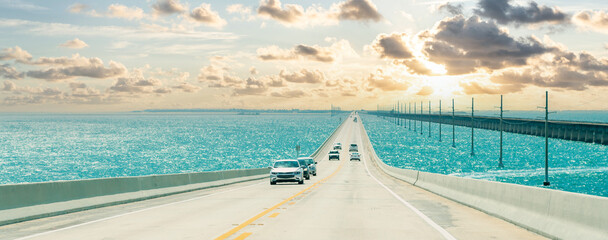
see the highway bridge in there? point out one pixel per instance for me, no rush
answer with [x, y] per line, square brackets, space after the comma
[346, 200]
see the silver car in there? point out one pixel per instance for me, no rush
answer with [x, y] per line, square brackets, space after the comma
[288, 170]
[312, 165]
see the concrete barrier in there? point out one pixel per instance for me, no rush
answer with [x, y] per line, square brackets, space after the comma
[24, 202]
[552, 213]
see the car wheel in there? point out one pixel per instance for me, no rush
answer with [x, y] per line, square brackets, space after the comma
[314, 174]
[273, 183]
[308, 177]
[301, 182]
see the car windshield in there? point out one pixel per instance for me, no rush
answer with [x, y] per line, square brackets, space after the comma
[333, 152]
[355, 154]
[302, 162]
[286, 164]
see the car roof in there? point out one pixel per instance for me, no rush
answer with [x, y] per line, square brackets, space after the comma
[304, 158]
[285, 160]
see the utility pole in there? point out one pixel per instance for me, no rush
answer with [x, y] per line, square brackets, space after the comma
[453, 126]
[409, 120]
[398, 107]
[429, 119]
[500, 165]
[546, 182]
[415, 128]
[421, 112]
[439, 120]
[472, 127]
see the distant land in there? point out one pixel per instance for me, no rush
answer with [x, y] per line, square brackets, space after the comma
[242, 111]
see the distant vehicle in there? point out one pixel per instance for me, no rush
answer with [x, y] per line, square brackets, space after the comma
[334, 154]
[312, 165]
[355, 156]
[304, 166]
[353, 148]
[337, 146]
[355, 119]
[288, 170]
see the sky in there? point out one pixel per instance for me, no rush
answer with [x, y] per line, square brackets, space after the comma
[104, 56]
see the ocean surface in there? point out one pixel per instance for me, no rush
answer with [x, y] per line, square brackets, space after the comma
[573, 166]
[53, 147]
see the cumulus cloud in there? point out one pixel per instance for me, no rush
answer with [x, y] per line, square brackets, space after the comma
[381, 80]
[134, 84]
[186, 87]
[168, 7]
[15, 53]
[122, 11]
[595, 20]
[253, 71]
[75, 43]
[358, 10]
[392, 46]
[296, 15]
[80, 67]
[9, 86]
[303, 76]
[10, 72]
[244, 12]
[77, 7]
[297, 93]
[425, 91]
[454, 9]
[465, 45]
[504, 13]
[314, 53]
[205, 15]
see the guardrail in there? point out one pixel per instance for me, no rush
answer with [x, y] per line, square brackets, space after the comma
[28, 201]
[552, 213]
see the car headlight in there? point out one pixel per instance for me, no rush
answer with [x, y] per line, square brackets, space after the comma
[273, 173]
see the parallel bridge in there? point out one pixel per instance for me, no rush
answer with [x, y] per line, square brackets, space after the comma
[568, 130]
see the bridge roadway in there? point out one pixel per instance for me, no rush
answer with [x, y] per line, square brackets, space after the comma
[346, 200]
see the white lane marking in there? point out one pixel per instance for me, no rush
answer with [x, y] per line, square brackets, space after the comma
[442, 231]
[129, 213]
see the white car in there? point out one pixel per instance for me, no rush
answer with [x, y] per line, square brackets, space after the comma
[355, 156]
[288, 170]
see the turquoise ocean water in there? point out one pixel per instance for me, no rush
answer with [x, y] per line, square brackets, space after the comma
[52, 147]
[574, 166]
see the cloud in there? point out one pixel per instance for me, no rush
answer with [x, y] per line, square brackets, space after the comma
[392, 46]
[122, 11]
[313, 53]
[134, 84]
[297, 93]
[251, 87]
[168, 7]
[295, 15]
[466, 45]
[9, 72]
[303, 76]
[186, 87]
[205, 15]
[454, 9]
[425, 91]
[504, 13]
[245, 12]
[595, 20]
[93, 68]
[9, 86]
[75, 43]
[15, 53]
[253, 71]
[77, 7]
[358, 10]
[384, 82]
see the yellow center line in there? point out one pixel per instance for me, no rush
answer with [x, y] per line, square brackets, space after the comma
[274, 215]
[256, 217]
[243, 236]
